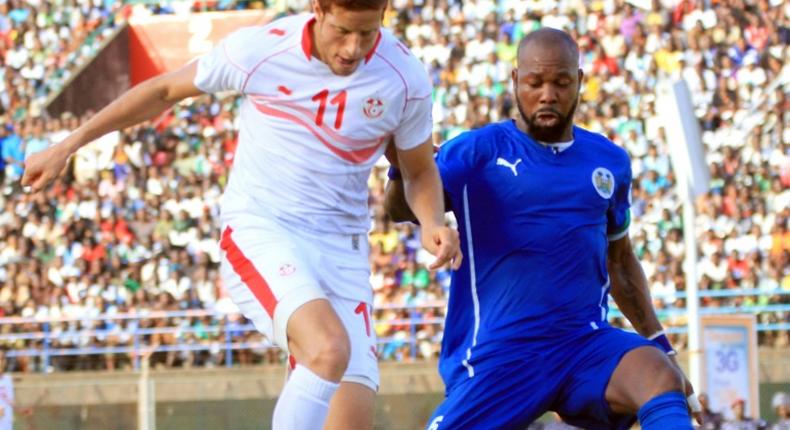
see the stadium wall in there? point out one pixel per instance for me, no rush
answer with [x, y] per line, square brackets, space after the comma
[161, 43]
[143, 48]
[98, 82]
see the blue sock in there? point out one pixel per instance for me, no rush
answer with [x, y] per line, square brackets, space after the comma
[667, 411]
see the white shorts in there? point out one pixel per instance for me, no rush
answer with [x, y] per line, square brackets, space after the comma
[269, 272]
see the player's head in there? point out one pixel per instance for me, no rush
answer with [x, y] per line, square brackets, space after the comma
[346, 30]
[547, 81]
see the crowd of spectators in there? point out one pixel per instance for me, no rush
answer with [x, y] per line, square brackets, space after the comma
[132, 226]
[43, 43]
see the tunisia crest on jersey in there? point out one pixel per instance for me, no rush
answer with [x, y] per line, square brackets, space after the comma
[373, 107]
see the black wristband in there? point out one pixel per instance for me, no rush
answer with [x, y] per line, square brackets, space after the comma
[394, 174]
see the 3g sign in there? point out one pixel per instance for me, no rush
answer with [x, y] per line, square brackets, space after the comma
[727, 359]
[729, 344]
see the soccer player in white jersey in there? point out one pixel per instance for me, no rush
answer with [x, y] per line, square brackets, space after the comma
[324, 94]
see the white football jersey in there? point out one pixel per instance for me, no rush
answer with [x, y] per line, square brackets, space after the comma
[308, 138]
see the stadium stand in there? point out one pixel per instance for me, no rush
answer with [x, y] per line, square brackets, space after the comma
[131, 228]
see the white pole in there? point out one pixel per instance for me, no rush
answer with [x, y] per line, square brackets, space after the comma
[692, 288]
[146, 398]
[684, 138]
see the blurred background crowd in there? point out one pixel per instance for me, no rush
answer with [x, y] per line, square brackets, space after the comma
[132, 225]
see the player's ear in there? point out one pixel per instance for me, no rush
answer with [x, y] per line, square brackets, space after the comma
[319, 13]
[581, 79]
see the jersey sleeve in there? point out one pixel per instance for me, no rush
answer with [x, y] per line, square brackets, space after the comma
[229, 64]
[618, 216]
[456, 160]
[416, 124]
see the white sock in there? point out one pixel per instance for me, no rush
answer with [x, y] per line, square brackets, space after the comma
[304, 402]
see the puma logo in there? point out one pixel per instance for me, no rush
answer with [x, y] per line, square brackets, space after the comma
[512, 166]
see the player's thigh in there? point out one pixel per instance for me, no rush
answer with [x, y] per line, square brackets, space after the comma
[628, 388]
[584, 400]
[269, 275]
[352, 407]
[318, 339]
[507, 397]
[356, 317]
[344, 266]
[346, 279]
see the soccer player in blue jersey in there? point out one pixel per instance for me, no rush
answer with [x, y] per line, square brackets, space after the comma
[543, 212]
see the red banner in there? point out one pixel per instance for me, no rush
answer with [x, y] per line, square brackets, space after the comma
[165, 42]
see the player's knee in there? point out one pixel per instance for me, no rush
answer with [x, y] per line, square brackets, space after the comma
[329, 356]
[665, 379]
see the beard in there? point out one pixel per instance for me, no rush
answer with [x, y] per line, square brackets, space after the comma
[548, 134]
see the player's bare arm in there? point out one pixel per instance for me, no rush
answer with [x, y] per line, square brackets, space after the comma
[139, 104]
[632, 295]
[395, 203]
[629, 287]
[422, 188]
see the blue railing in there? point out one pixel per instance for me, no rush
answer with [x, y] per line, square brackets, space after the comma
[724, 310]
[735, 292]
[233, 330]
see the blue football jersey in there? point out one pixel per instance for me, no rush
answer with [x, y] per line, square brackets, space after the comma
[535, 226]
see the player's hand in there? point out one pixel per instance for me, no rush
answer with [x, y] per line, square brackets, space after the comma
[443, 243]
[689, 391]
[43, 167]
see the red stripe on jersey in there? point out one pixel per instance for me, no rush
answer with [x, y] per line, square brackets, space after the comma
[372, 51]
[403, 48]
[307, 39]
[251, 72]
[400, 75]
[277, 32]
[285, 90]
[292, 361]
[248, 273]
[334, 135]
[354, 156]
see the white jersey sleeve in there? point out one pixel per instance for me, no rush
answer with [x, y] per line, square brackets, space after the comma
[230, 64]
[417, 123]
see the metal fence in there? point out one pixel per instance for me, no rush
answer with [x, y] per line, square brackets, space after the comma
[46, 338]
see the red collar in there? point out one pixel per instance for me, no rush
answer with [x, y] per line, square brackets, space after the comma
[307, 41]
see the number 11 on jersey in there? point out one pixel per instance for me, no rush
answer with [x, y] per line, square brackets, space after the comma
[339, 99]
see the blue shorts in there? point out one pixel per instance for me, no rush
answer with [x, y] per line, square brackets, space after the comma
[568, 376]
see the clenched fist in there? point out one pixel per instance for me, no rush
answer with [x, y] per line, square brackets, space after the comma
[443, 243]
[43, 167]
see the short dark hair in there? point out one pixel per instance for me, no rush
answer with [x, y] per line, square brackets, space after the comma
[326, 5]
[549, 36]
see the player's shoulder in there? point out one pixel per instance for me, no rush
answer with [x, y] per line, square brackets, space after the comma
[601, 145]
[400, 59]
[254, 42]
[291, 25]
[480, 141]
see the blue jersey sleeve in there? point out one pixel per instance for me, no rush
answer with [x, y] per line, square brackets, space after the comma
[456, 161]
[618, 217]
